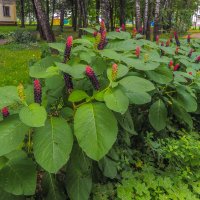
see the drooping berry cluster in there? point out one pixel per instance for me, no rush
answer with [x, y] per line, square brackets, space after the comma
[176, 38]
[197, 60]
[5, 112]
[188, 38]
[21, 93]
[92, 77]
[37, 91]
[137, 52]
[68, 47]
[68, 82]
[114, 71]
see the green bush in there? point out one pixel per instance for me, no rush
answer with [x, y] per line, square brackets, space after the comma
[98, 123]
[23, 36]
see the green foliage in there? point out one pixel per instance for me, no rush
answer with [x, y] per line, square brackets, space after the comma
[128, 119]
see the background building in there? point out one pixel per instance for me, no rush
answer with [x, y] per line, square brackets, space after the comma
[8, 12]
[196, 18]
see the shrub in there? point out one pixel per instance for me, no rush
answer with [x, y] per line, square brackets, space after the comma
[23, 36]
[86, 119]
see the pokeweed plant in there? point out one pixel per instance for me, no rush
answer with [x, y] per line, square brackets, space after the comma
[70, 118]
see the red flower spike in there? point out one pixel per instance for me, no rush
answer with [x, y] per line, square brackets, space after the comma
[123, 28]
[95, 33]
[103, 41]
[68, 47]
[167, 43]
[37, 92]
[134, 32]
[177, 49]
[137, 52]
[117, 29]
[114, 71]
[176, 67]
[102, 26]
[171, 63]
[157, 39]
[91, 75]
[162, 44]
[190, 53]
[5, 112]
[190, 73]
[197, 59]
[141, 30]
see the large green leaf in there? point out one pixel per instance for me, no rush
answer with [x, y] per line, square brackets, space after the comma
[78, 175]
[33, 115]
[9, 196]
[116, 100]
[96, 129]
[140, 64]
[111, 54]
[58, 46]
[162, 75]
[51, 187]
[77, 95]
[136, 84]
[40, 69]
[158, 115]
[122, 45]
[186, 100]
[52, 144]
[118, 35]
[12, 133]
[138, 98]
[76, 71]
[181, 113]
[18, 176]
[8, 96]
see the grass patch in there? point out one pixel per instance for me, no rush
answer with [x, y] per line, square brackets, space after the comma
[14, 63]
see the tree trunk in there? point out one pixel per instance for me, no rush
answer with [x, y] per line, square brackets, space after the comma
[22, 13]
[146, 9]
[105, 12]
[42, 18]
[47, 9]
[148, 29]
[138, 15]
[122, 6]
[112, 15]
[156, 19]
[97, 10]
[62, 16]
[53, 11]
[39, 27]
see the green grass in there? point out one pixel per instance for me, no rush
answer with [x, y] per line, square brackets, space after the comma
[8, 29]
[14, 63]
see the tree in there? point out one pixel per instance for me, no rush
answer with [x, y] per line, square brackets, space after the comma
[156, 19]
[105, 12]
[138, 15]
[146, 9]
[43, 21]
[122, 6]
[22, 13]
[97, 10]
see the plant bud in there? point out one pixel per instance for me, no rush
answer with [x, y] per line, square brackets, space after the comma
[21, 93]
[176, 67]
[197, 59]
[137, 52]
[92, 77]
[114, 71]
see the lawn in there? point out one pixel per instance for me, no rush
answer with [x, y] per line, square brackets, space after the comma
[14, 63]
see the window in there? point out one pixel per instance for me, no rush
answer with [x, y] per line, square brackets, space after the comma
[6, 11]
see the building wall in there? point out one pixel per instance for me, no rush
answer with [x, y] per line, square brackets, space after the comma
[12, 18]
[196, 18]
